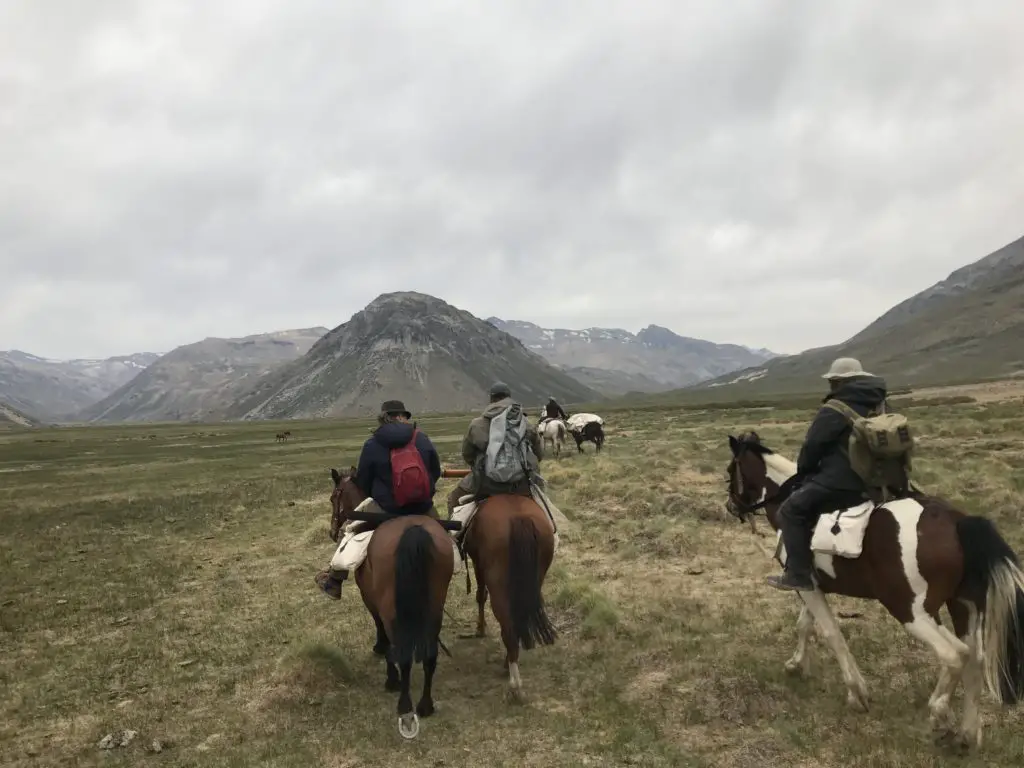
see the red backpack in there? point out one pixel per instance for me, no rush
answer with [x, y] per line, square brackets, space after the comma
[410, 483]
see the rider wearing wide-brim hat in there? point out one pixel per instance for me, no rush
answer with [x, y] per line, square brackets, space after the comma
[373, 474]
[827, 480]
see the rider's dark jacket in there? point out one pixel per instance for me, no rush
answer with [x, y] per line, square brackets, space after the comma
[373, 475]
[822, 460]
[554, 411]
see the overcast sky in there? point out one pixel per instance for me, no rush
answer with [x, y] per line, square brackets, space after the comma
[768, 173]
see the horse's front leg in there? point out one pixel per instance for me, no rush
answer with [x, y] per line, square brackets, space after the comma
[857, 689]
[800, 660]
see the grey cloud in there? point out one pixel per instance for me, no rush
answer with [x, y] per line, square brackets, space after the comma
[736, 172]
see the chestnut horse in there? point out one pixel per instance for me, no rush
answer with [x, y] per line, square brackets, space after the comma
[404, 585]
[918, 554]
[511, 542]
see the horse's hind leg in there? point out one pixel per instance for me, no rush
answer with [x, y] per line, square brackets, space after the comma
[393, 682]
[481, 600]
[380, 648]
[952, 653]
[967, 625]
[425, 708]
[800, 661]
[857, 689]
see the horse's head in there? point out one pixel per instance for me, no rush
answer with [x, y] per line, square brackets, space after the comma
[747, 474]
[345, 497]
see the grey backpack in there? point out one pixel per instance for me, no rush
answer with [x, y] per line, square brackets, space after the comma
[507, 459]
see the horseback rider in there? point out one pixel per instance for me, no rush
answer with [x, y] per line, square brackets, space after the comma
[375, 479]
[553, 410]
[827, 479]
[474, 451]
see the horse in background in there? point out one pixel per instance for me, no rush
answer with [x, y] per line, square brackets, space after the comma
[404, 585]
[918, 554]
[282, 437]
[592, 432]
[555, 432]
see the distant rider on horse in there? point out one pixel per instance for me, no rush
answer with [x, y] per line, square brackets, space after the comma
[395, 443]
[475, 446]
[553, 410]
[827, 480]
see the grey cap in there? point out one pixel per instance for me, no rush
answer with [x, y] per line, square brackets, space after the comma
[500, 389]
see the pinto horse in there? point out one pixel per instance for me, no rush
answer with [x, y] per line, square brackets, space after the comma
[511, 542]
[404, 585]
[918, 555]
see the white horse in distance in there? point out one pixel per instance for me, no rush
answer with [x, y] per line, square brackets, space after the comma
[555, 432]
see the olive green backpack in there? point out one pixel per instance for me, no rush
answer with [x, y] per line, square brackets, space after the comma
[879, 450]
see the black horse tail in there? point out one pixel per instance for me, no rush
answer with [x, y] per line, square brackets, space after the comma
[415, 632]
[530, 622]
[994, 582]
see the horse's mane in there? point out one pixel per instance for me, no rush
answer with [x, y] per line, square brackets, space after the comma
[778, 465]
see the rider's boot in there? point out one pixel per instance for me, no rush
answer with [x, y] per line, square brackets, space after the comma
[796, 538]
[330, 581]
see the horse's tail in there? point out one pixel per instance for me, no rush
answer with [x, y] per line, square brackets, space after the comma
[993, 580]
[415, 633]
[530, 622]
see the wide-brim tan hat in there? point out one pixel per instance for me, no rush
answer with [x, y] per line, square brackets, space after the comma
[845, 368]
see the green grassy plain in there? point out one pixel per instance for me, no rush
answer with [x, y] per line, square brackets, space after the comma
[160, 579]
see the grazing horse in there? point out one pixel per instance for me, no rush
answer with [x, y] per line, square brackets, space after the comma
[591, 432]
[283, 436]
[554, 431]
[918, 554]
[511, 543]
[404, 585]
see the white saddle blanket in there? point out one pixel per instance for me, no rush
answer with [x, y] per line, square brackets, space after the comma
[846, 539]
[579, 420]
[466, 511]
[351, 551]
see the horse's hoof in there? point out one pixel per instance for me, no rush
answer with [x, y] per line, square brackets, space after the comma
[425, 708]
[409, 725]
[515, 695]
[857, 701]
[794, 667]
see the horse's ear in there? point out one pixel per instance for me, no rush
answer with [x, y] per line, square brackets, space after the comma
[335, 476]
[734, 444]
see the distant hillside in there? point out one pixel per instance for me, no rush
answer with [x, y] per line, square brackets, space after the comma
[409, 346]
[615, 361]
[11, 417]
[55, 389]
[198, 381]
[968, 326]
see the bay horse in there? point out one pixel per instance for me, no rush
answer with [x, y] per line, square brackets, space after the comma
[555, 432]
[918, 554]
[404, 585]
[511, 542]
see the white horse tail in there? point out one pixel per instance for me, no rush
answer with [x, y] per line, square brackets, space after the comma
[994, 581]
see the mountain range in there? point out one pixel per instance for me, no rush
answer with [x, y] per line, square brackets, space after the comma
[440, 358]
[615, 361]
[54, 389]
[967, 327]
[412, 347]
[199, 381]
